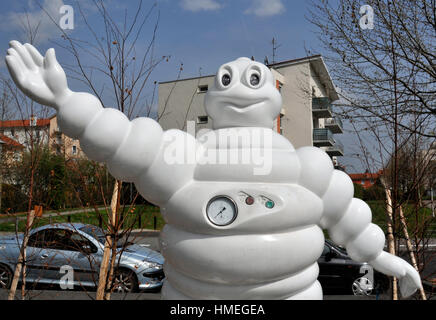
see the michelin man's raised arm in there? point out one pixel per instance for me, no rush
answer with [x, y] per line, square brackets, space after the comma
[348, 219]
[130, 148]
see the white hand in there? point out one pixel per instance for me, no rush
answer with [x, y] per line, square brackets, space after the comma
[410, 282]
[41, 78]
[409, 279]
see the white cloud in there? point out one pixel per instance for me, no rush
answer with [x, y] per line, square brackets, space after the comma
[198, 5]
[17, 21]
[266, 8]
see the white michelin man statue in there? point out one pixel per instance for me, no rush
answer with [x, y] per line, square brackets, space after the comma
[230, 234]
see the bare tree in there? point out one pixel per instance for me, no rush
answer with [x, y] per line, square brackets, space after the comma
[387, 72]
[117, 58]
[386, 75]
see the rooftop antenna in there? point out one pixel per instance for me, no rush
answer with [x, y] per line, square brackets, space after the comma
[275, 46]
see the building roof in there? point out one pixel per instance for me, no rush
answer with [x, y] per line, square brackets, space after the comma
[366, 175]
[187, 79]
[23, 123]
[293, 61]
[10, 142]
[318, 64]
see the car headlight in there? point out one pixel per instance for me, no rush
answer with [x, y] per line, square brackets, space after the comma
[154, 265]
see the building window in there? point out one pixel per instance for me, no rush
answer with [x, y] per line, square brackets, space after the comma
[74, 150]
[13, 132]
[17, 156]
[202, 119]
[33, 121]
[202, 88]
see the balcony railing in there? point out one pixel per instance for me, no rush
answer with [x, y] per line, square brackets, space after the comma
[334, 124]
[321, 107]
[336, 150]
[323, 137]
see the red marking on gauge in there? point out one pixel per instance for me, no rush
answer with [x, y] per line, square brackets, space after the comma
[249, 200]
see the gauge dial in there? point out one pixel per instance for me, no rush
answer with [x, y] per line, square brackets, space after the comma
[221, 210]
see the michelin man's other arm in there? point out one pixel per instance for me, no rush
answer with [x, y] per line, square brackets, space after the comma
[348, 219]
[133, 150]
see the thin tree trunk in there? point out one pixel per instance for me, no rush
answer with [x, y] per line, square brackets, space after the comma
[20, 268]
[102, 280]
[115, 207]
[391, 240]
[111, 273]
[410, 249]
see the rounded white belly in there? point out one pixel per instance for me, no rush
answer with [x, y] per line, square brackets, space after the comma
[254, 266]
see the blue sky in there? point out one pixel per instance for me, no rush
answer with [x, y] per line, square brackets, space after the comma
[198, 33]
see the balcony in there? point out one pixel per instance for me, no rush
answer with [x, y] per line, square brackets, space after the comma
[321, 107]
[334, 124]
[323, 137]
[336, 150]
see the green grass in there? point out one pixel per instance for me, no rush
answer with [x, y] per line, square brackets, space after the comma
[147, 214]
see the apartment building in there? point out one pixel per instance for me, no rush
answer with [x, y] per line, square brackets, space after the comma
[367, 179]
[306, 118]
[18, 135]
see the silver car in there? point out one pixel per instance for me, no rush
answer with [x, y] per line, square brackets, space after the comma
[55, 249]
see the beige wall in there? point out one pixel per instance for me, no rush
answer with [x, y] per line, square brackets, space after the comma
[180, 101]
[60, 143]
[297, 120]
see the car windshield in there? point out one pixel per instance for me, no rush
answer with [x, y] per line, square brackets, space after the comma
[338, 247]
[95, 232]
[98, 233]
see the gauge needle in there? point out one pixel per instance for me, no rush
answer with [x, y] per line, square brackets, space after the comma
[220, 212]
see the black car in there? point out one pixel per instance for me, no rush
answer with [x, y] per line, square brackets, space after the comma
[339, 274]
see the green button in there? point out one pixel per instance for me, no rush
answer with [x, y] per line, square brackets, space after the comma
[269, 204]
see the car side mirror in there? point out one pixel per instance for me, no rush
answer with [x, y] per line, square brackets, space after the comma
[330, 255]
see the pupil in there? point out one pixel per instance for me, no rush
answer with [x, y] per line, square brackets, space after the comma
[226, 79]
[254, 79]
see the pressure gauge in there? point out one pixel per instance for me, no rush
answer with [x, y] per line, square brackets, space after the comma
[221, 210]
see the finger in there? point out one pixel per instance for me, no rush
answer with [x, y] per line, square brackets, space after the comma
[414, 275]
[407, 286]
[25, 56]
[15, 69]
[50, 59]
[14, 53]
[36, 56]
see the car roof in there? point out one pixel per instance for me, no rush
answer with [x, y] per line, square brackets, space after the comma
[64, 225]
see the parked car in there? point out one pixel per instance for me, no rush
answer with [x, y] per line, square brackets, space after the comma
[341, 275]
[79, 247]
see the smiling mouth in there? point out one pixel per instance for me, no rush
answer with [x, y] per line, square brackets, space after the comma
[244, 108]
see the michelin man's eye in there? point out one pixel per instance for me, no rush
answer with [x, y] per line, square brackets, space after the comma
[254, 79]
[225, 80]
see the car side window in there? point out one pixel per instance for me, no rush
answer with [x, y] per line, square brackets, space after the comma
[57, 239]
[48, 239]
[61, 239]
[36, 240]
[80, 243]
